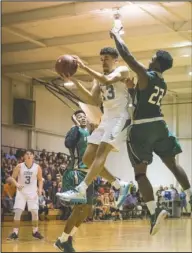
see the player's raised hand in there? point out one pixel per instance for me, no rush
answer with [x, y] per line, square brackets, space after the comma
[75, 120]
[113, 32]
[19, 187]
[79, 61]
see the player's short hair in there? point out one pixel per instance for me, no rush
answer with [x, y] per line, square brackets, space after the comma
[165, 60]
[29, 150]
[110, 51]
[77, 112]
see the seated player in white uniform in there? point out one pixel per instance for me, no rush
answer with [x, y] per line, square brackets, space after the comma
[27, 174]
[112, 128]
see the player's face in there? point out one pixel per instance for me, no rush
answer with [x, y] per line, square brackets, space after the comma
[28, 156]
[81, 118]
[108, 63]
[153, 62]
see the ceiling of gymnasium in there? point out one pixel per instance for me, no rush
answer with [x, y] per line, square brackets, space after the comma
[34, 34]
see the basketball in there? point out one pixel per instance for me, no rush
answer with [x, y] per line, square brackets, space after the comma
[66, 65]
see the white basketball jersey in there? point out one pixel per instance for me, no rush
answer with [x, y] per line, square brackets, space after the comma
[116, 98]
[28, 178]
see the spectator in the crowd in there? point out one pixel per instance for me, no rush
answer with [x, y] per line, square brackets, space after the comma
[174, 192]
[48, 186]
[99, 213]
[159, 194]
[11, 155]
[43, 208]
[8, 195]
[183, 201]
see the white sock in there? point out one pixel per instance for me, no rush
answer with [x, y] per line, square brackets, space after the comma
[64, 237]
[116, 184]
[188, 192]
[82, 187]
[16, 231]
[151, 206]
[73, 231]
[35, 229]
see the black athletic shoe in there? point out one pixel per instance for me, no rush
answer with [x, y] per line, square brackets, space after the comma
[37, 235]
[156, 220]
[70, 241]
[12, 236]
[65, 246]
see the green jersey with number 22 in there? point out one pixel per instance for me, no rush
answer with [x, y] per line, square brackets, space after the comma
[147, 102]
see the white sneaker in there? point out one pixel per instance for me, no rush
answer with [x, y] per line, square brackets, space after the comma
[124, 190]
[72, 196]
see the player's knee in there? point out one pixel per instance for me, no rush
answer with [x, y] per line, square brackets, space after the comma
[18, 213]
[34, 214]
[170, 162]
[138, 176]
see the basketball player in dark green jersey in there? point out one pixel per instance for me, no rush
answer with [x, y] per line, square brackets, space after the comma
[149, 132]
[76, 142]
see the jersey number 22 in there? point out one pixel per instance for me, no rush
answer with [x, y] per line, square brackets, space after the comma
[157, 96]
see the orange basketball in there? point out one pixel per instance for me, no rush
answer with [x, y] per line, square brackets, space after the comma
[66, 65]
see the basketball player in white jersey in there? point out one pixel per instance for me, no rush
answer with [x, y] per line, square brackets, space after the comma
[25, 177]
[112, 128]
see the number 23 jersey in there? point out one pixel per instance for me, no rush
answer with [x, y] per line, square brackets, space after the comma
[28, 178]
[147, 102]
[115, 96]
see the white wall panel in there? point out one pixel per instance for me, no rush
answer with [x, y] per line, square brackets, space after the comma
[6, 100]
[14, 137]
[50, 143]
[184, 120]
[185, 157]
[51, 114]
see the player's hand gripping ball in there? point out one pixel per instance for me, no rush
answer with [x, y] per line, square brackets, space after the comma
[66, 65]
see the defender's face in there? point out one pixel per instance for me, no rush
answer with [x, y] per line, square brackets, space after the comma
[153, 62]
[28, 156]
[108, 63]
[82, 119]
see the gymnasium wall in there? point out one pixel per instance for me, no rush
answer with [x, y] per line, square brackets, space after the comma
[53, 121]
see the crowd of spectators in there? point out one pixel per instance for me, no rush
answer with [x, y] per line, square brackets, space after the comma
[166, 194]
[53, 166]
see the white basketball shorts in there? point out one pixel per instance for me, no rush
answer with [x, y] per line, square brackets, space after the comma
[31, 199]
[111, 130]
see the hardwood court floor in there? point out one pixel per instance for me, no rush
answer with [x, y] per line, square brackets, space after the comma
[125, 236]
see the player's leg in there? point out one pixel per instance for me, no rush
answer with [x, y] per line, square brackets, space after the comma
[140, 147]
[33, 207]
[20, 203]
[78, 216]
[88, 159]
[167, 149]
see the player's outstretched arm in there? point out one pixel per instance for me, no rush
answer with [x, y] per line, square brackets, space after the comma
[89, 97]
[134, 65]
[14, 177]
[40, 181]
[117, 76]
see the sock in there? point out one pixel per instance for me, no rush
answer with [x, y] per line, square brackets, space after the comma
[73, 231]
[64, 237]
[35, 229]
[16, 231]
[82, 187]
[116, 184]
[151, 206]
[188, 192]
